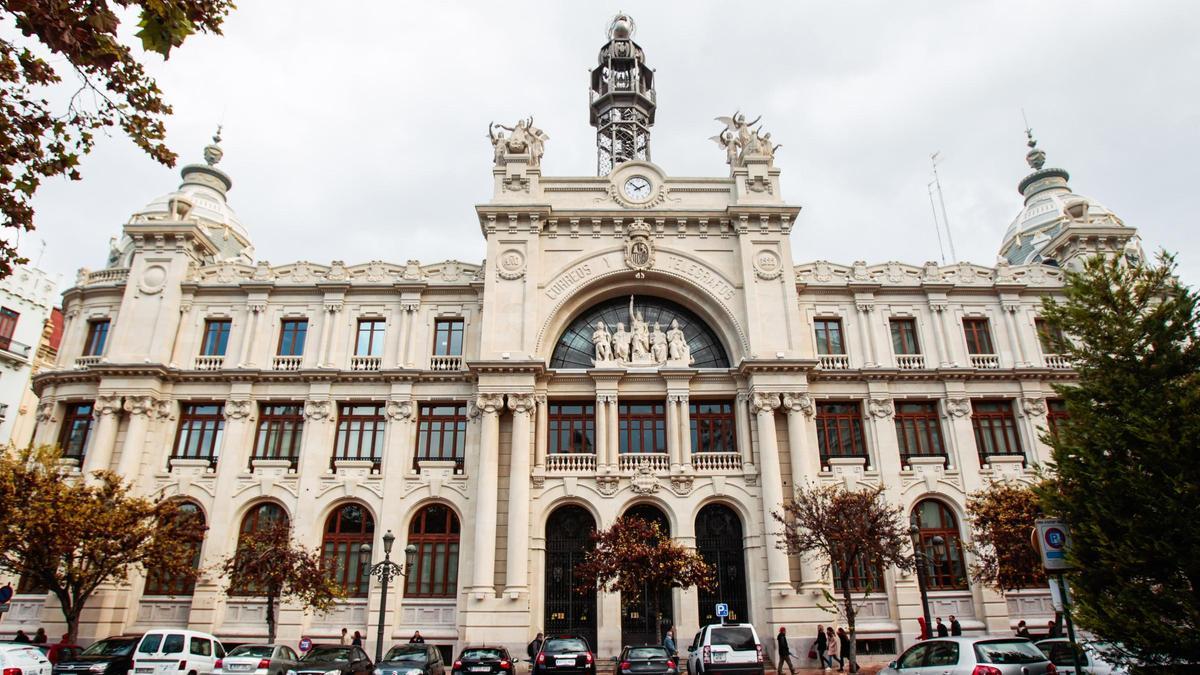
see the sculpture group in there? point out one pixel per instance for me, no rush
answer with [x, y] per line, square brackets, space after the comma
[641, 345]
[741, 142]
[523, 138]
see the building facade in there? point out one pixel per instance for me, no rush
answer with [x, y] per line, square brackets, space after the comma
[27, 310]
[634, 342]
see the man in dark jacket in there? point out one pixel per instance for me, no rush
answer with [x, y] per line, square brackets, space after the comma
[941, 629]
[534, 647]
[822, 647]
[955, 626]
[785, 652]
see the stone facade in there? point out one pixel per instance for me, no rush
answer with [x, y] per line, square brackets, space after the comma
[718, 250]
[27, 299]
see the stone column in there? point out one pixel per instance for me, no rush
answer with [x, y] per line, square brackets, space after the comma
[253, 312]
[948, 357]
[676, 457]
[140, 409]
[486, 494]
[685, 432]
[410, 322]
[329, 339]
[764, 405]
[397, 457]
[1020, 359]
[522, 406]
[106, 411]
[957, 409]
[601, 444]
[935, 327]
[614, 432]
[541, 439]
[806, 465]
[864, 313]
[741, 423]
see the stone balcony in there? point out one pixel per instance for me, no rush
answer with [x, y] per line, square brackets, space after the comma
[287, 363]
[366, 363]
[444, 363]
[1057, 361]
[985, 361]
[209, 363]
[834, 361]
[910, 361]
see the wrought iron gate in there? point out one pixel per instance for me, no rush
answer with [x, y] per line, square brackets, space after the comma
[720, 542]
[567, 610]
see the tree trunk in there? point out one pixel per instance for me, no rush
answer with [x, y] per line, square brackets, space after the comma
[852, 656]
[71, 609]
[271, 618]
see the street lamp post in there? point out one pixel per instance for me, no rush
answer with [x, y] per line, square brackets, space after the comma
[921, 560]
[387, 570]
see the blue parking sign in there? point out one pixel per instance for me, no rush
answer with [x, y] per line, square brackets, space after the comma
[722, 610]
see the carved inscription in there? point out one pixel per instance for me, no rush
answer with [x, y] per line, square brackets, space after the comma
[701, 275]
[569, 279]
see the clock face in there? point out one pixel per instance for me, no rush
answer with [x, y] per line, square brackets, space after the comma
[637, 188]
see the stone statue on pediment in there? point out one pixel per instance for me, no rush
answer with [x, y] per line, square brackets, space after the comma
[523, 138]
[621, 342]
[603, 343]
[679, 351]
[658, 344]
[641, 334]
[740, 141]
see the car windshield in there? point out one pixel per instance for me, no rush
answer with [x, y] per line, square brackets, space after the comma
[1008, 651]
[646, 653]
[150, 643]
[737, 638]
[1059, 653]
[110, 648]
[411, 654]
[480, 655]
[562, 645]
[252, 651]
[327, 654]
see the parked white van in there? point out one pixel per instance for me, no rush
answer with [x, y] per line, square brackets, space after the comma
[176, 651]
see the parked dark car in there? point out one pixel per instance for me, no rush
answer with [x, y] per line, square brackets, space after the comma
[484, 661]
[648, 660]
[412, 659]
[565, 655]
[110, 656]
[348, 660]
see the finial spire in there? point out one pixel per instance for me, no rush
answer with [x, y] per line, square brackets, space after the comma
[1036, 157]
[213, 152]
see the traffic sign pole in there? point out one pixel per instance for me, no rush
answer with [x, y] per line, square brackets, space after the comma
[1066, 604]
[1053, 539]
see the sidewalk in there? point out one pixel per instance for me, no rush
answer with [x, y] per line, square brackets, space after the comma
[865, 669]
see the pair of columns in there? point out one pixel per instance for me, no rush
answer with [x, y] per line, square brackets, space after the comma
[142, 410]
[490, 407]
[679, 430]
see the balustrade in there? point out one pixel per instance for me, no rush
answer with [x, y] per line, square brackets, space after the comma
[835, 361]
[1057, 361]
[366, 363]
[717, 461]
[209, 362]
[910, 361]
[575, 462]
[985, 361]
[287, 363]
[445, 363]
[657, 461]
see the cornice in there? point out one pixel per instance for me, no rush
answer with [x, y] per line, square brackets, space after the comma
[752, 366]
[531, 366]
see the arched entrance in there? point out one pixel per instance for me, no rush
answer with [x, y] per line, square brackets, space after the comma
[568, 538]
[719, 541]
[645, 622]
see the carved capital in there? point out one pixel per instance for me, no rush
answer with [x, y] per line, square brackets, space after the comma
[333, 307]
[489, 404]
[958, 407]
[521, 404]
[139, 405]
[865, 307]
[1011, 307]
[399, 411]
[318, 410]
[764, 402]
[106, 405]
[881, 408]
[410, 305]
[799, 402]
[1033, 406]
[257, 307]
[164, 409]
[680, 397]
[238, 409]
[938, 307]
[45, 410]
[601, 399]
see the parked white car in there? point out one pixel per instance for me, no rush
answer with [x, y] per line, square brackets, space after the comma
[24, 658]
[726, 649]
[176, 651]
[1058, 650]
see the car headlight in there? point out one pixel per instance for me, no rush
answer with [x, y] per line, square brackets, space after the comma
[98, 667]
[414, 671]
[333, 672]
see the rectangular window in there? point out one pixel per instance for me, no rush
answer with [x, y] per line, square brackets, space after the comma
[280, 427]
[840, 430]
[712, 426]
[863, 578]
[1050, 338]
[829, 336]
[370, 337]
[979, 338]
[8, 326]
[904, 337]
[360, 432]
[97, 336]
[918, 430]
[1056, 414]
[76, 427]
[572, 428]
[291, 336]
[199, 434]
[642, 428]
[448, 337]
[441, 433]
[216, 337]
[995, 429]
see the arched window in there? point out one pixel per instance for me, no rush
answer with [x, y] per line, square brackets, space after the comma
[944, 567]
[258, 518]
[434, 531]
[346, 530]
[576, 350]
[159, 582]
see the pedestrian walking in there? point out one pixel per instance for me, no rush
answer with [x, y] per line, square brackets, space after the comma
[785, 652]
[669, 642]
[534, 647]
[357, 640]
[844, 646]
[942, 631]
[834, 649]
[822, 647]
[416, 639]
[955, 626]
[1052, 629]
[1023, 630]
[345, 637]
[39, 638]
[21, 636]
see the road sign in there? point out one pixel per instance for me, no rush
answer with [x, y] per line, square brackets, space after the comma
[6, 594]
[1054, 540]
[722, 610]
[305, 644]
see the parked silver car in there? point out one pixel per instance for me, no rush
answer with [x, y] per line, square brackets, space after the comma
[972, 656]
[1092, 660]
[257, 660]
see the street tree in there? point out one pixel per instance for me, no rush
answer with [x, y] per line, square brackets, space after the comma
[1002, 517]
[847, 530]
[70, 536]
[110, 88]
[1126, 461]
[267, 563]
[635, 558]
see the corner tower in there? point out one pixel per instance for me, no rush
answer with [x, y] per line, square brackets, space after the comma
[622, 99]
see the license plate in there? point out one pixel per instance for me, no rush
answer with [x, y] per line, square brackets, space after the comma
[145, 671]
[240, 667]
[565, 662]
[719, 657]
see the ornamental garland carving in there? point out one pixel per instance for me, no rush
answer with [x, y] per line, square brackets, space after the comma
[106, 405]
[881, 408]
[681, 485]
[799, 402]
[1034, 407]
[767, 265]
[608, 485]
[237, 409]
[764, 402]
[511, 265]
[644, 482]
[318, 410]
[958, 407]
[399, 410]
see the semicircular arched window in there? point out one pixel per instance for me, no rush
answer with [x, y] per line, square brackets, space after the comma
[575, 349]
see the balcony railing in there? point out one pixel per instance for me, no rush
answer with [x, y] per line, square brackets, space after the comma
[445, 363]
[835, 361]
[985, 361]
[13, 347]
[658, 461]
[209, 362]
[366, 363]
[910, 361]
[1057, 361]
[287, 362]
[85, 361]
[717, 461]
[108, 276]
[574, 462]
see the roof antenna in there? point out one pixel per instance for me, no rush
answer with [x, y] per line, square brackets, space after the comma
[937, 227]
[933, 159]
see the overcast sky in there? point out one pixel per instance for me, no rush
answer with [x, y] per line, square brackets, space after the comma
[357, 130]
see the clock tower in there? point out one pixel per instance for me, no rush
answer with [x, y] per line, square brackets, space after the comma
[622, 99]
